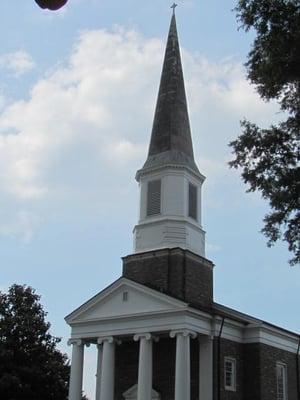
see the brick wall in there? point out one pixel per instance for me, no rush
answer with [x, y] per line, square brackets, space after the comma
[126, 367]
[252, 376]
[268, 358]
[255, 363]
[256, 371]
[177, 272]
[233, 350]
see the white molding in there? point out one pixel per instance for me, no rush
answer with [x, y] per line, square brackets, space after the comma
[139, 336]
[232, 360]
[144, 172]
[109, 339]
[184, 333]
[109, 291]
[156, 324]
[232, 330]
[176, 315]
[170, 218]
[77, 342]
[271, 336]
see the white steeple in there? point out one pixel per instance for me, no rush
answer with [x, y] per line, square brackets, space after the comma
[170, 182]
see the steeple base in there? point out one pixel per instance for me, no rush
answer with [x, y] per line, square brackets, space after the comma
[176, 272]
[165, 232]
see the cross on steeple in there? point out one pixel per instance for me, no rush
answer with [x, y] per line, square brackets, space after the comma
[174, 5]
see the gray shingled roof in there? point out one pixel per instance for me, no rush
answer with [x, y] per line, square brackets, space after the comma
[171, 141]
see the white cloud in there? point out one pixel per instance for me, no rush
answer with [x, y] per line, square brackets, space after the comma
[2, 102]
[85, 128]
[18, 63]
[223, 86]
[22, 225]
[212, 248]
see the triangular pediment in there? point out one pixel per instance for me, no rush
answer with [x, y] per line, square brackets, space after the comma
[131, 394]
[124, 298]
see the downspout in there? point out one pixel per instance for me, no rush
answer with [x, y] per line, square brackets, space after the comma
[184, 278]
[298, 369]
[219, 360]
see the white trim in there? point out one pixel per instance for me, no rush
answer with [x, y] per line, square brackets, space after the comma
[256, 332]
[176, 315]
[153, 219]
[104, 294]
[271, 336]
[232, 330]
[283, 368]
[232, 361]
[143, 172]
[127, 326]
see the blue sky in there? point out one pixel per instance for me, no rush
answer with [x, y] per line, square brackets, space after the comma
[77, 95]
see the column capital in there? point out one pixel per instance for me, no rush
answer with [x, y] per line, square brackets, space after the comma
[184, 333]
[109, 339]
[147, 336]
[139, 336]
[77, 342]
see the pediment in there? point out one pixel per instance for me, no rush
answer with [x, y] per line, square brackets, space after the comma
[124, 298]
[131, 394]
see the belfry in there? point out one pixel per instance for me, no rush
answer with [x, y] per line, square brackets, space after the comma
[170, 182]
[157, 330]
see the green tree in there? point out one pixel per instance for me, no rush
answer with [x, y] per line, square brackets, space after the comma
[270, 158]
[31, 366]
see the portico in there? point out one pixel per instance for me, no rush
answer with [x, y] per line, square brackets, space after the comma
[105, 377]
[171, 321]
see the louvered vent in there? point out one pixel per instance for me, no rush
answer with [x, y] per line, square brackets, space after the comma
[192, 201]
[154, 197]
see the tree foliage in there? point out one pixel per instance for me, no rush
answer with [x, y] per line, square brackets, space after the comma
[31, 366]
[270, 158]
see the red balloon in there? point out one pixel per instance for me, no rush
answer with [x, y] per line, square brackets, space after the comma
[51, 4]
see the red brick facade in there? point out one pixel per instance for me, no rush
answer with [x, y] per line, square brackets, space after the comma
[255, 369]
[176, 272]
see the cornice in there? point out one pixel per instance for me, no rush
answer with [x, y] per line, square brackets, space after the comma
[159, 168]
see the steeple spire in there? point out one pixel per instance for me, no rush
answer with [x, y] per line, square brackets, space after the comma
[171, 140]
[170, 182]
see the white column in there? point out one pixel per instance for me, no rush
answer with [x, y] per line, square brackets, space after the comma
[75, 385]
[107, 387]
[183, 364]
[99, 371]
[206, 368]
[145, 366]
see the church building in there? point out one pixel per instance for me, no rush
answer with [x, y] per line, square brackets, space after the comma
[158, 332]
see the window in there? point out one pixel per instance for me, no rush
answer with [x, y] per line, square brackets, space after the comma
[193, 201]
[154, 197]
[230, 373]
[281, 375]
[125, 296]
